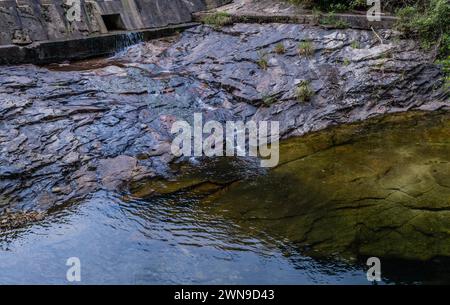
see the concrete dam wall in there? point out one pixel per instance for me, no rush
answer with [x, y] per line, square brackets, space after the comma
[23, 22]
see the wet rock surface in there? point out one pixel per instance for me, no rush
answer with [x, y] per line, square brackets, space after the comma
[13, 220]
[69, 130]
[352, 74]
[66, 134]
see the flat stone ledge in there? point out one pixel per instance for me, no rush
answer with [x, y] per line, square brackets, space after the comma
[354, 21]
[45, 52]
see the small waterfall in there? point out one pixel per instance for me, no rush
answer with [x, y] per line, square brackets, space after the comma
[127, 40]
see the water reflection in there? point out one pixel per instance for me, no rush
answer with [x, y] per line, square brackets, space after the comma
[164, 240]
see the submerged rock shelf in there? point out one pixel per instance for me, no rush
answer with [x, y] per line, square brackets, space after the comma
[378, 188]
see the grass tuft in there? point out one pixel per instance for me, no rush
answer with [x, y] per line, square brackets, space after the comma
[218, 19]
[262, 62]
[355, 45]
[279, 48]
[304, 91]
[306, 48]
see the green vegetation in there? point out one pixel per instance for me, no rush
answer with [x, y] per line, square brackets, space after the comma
[218, 19]
[338, 7]
[355, 45]
[445, 63]
[428, 21]
[425, 20]
[279, 48]
[357, 4]
[348, 5]
[268, 99]
[304, 92]
[316, 13]
[262, 62]
[331, 5]
[346, 62]
[332, 20]
[306, 48]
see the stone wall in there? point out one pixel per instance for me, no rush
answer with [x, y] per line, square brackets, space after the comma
[25, 21]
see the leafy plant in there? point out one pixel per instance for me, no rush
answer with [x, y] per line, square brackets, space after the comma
[339, 7]
[358, 4]
[316, 12]
[445, 64]
[428, 21]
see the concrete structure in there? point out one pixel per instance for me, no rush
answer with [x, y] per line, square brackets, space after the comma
[270, 11]
[23, 22]
[50, 51]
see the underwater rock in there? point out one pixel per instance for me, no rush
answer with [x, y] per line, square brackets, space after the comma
[378, 188]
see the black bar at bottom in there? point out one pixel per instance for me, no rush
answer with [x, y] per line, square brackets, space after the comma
[205, 294]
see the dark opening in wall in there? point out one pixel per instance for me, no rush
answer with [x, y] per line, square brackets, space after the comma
[113, 22]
